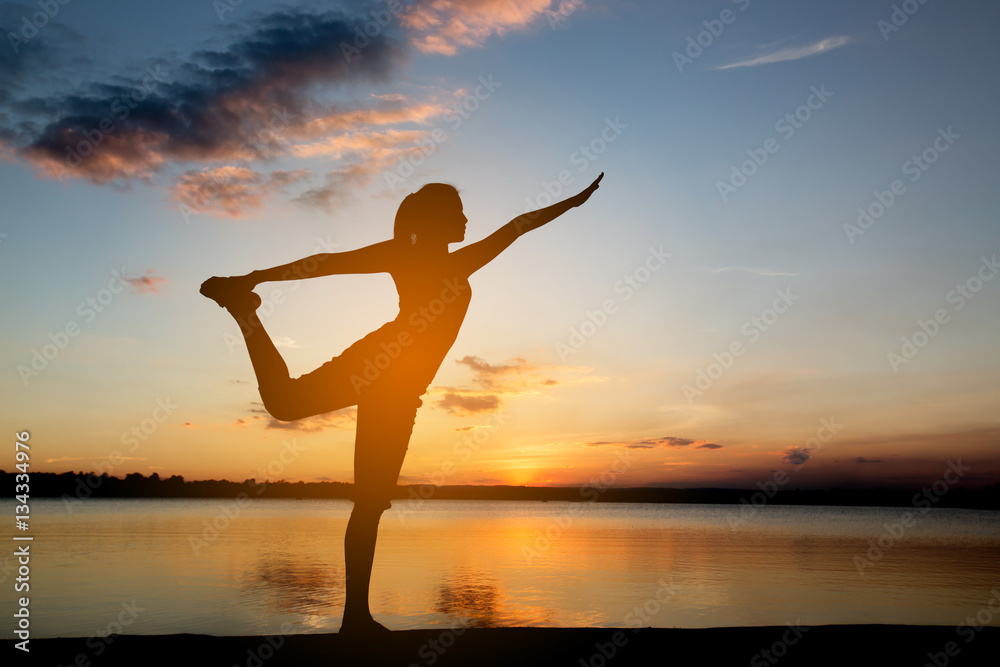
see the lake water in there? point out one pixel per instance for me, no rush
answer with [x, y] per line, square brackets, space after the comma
[488, 563]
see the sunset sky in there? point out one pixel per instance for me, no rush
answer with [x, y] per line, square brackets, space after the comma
[791, 263]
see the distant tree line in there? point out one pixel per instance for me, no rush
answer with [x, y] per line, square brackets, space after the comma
[82, 486]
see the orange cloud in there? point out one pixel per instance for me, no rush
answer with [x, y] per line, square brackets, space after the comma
[230, 191]
[148, 283]
[339, 419]
[445, 26]
[470, 403]
[390, 110]
[377, 146]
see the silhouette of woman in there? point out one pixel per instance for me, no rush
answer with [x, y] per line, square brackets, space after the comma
[387, 371]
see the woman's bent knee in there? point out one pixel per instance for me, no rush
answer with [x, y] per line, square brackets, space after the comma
[279, 404]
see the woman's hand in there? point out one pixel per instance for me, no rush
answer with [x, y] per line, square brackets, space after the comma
[581, 198]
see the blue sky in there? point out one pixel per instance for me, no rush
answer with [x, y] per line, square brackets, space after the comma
[170, 204]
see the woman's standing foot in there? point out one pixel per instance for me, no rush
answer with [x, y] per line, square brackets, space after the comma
[362, 626]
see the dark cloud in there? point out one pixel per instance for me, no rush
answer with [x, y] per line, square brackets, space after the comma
[456, 403]
[218, 105]
[796, 455]
[488, 375]
[861, 459]
[665, 441]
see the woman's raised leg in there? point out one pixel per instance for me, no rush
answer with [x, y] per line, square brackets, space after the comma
[277, 389]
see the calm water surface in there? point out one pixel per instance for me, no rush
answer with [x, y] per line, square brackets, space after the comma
[487, 563]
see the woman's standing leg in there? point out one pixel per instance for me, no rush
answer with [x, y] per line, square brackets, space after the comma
[384, 427]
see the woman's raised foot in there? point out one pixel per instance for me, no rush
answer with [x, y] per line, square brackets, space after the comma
[230, 293]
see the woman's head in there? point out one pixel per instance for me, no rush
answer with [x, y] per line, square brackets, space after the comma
[432, 213]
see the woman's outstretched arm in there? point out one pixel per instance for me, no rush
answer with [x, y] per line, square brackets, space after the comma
[375, 258]
[473, 257]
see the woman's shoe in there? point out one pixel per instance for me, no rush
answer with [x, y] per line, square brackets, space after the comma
[230, 294]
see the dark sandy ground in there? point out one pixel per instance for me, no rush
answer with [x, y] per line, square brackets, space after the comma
[846, 645]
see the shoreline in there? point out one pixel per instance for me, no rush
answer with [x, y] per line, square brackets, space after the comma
[524, 647]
